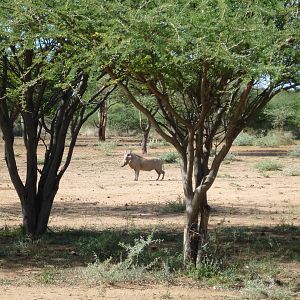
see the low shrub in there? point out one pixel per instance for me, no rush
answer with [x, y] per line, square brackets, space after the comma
[107, 147]
[176, 206]
[244, 139]
[170, 157]
[269, 165]
[292, 171]
[135, 266]
[295, 152]
[274, 139]
[230, 157]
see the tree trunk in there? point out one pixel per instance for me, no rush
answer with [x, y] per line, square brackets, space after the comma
[197, 209]
[29, 215]
[203, 227]
[36, 212]
[190, 241]
[102, 114]
[146, 132]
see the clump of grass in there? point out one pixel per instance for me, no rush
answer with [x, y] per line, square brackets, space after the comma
[107, 147]
[133, 268]
[170, 157]
[100, 245]
[292, 171]
[274, 139]
[271, 139]
[175, 206]
[230, 157]
[295, 152]
[259, 289]
[40, 161]
[48, 275]
[156, 144]
[244, 139]
[269, 165]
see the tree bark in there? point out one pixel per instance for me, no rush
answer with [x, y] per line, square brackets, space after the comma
[190, 240]
[36, 212]
[195, 232]
[29, 215]
[197, 209]
[44, 214]
[203, 227]
[102, 114]
[146, 131]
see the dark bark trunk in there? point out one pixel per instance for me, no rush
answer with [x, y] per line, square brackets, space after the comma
[29, 215]
[146, 132]
[190, 241]
[102, 121]
[36, 212]
[203, 227]
[102, 133]
[43, 216]
[195, 232]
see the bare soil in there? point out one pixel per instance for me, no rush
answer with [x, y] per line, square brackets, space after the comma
[96, 193]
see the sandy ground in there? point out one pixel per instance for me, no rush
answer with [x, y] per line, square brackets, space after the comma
[134, 292]
[97, 193]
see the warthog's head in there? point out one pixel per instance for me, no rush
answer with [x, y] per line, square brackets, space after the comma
[127, 158]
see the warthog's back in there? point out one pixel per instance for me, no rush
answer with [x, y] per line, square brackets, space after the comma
[139, 163]
[145, 164]
[151, 164]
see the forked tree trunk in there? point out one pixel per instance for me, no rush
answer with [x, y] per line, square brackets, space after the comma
[146, 132]
[197, 215]
[36, 210]
[195, 231]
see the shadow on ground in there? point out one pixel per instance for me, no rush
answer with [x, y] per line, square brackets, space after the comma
[67, 209]
[69, 248]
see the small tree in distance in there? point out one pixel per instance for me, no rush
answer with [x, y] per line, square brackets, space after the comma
[209, 67]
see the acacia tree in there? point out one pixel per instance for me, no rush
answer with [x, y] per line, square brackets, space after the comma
[209, 66]
[47, 79]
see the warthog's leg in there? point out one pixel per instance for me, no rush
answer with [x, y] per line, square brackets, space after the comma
[158, 173]
[137, 172]
[163, 172]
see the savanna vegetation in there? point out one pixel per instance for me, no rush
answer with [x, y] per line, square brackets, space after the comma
[202, 76]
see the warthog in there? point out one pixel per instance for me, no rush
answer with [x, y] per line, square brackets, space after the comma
[138, 163]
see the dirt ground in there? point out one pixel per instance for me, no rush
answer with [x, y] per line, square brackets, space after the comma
[97, 193]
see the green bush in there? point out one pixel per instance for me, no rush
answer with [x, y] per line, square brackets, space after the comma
[107, 147]
[292, 171]
[244, 139]
[170, 157]
[274, 139]
[230, 157]
[282, 112]
[123, 117]
[295, 152]
[269, 165]
[177, 206]
[136, 266]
